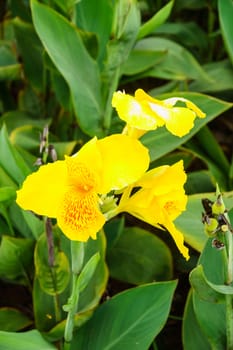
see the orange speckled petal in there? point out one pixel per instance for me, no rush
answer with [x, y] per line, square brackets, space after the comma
[79, 216]
[43, 190]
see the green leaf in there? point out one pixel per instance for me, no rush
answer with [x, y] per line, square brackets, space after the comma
[10, 159]
[225, 9]
[32, 340]
[86, 13]
[54, 278]
[130, 319]
[7, 193]
[93, 292]
[127, 263]
[31, 52]
[178, 63]
[161, 142]
[74, 63]
[159, 18]
[12, 320]
[192, 335]
[16, 259]
[189, 222]
[87, 272]
[203, 287]
[10, 69]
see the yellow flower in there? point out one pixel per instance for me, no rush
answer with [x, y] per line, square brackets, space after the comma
[159, 200]
[69, 190]
[144, 113]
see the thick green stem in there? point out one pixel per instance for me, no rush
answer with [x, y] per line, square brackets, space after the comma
[77, 257]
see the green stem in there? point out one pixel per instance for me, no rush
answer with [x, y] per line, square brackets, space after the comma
[108, 109]
[77, 257]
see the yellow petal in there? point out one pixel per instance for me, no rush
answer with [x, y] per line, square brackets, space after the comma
[124, 161]
[178, 237]
[79, 216]
[43, 190]
[164, 179]
[136, 113]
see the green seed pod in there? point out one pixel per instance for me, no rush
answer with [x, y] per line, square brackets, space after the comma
[218, 206]
[211, 226]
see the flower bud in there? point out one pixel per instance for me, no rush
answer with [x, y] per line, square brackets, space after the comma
[211, 226]
[218, 206]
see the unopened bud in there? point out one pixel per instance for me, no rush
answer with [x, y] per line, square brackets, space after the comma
[211, 226]
[218, 206]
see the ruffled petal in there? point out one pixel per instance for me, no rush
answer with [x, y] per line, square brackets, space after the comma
[124, 161]
[43, 190]
[79, 216]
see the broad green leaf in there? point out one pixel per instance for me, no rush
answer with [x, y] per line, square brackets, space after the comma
[16, 118]
[32, 340]
[159, 18]
[203, 287]
[26, 137]
[16, 259]
[161, 142]
[225, 9]
[53, 278]
[199, 182]
[221, 74]
[192, 335]
[190, 224]
[31, 51]
[35, 224]
[10, 69]
[12, 320]
[6, 180]
[129, 320]
[74, 63]
[141, 60]
[7, 193]
[10, 159]
[178, 64]
[139, 257]
[86, 13]
[211, 318]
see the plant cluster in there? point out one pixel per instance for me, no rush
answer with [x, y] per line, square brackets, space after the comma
[115, 133]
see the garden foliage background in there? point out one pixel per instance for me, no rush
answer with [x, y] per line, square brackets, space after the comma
[60, 62]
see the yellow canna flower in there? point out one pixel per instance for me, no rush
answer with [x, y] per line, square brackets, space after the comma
[144, 113]
[69, 190]
[160, 200]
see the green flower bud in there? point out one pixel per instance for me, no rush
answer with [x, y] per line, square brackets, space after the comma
[211, 226]
[218, 206]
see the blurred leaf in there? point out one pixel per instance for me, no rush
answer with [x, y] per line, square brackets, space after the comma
[34, 223]
[193, 337]
[136, 310]
[113, 230]
[75, 64]
[31, 51]
[221, 74]
[10, 159]
[199, 182]
[64, 148]
[178, 64]
[10, 69]
[53, 278]
[32, 340]
[5, 179]
[190, 224]
[139, 257]
[16, 259]
[159, 18]
[15, 119]
[225, 9]
[161, 142]
[26, 137]
[86, 13]
[12, 320]
[141, 60]
[7, 193]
